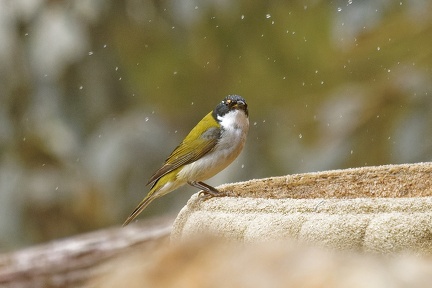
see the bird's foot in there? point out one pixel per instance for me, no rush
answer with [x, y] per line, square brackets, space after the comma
[207, 190]
[205, 195]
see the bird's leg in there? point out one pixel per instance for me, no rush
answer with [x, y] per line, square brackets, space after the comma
[207, 190]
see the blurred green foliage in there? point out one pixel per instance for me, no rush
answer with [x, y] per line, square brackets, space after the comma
[95, 95]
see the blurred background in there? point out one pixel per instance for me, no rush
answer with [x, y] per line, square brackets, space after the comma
[94, 95]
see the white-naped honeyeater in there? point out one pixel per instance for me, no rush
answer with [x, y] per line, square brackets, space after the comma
[208, 149]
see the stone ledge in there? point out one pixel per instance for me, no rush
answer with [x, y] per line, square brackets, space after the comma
[378, 209]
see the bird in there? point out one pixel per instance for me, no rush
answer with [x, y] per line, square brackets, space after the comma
[209, 148]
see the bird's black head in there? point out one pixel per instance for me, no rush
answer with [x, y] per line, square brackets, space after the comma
[230, 103]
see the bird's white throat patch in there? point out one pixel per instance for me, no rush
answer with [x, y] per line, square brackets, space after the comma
[235, 126]
[235, 119]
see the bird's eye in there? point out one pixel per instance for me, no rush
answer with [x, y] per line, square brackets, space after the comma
[228, 102]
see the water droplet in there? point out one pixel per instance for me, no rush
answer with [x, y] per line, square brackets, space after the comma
[378, 48]
[268, 16]
[300, 136]
[90, 53]
[242, 17]
[146, 119]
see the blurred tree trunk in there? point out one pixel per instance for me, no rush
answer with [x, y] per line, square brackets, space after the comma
[72, 261]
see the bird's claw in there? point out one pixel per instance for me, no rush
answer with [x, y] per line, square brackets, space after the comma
[205, 195]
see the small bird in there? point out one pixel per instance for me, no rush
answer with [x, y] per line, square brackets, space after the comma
[208, 149]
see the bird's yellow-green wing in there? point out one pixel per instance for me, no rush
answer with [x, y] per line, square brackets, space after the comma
[200, 140]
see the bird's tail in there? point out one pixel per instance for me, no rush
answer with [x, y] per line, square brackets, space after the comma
[141, 206]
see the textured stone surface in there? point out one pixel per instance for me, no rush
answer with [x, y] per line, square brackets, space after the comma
[379, 209]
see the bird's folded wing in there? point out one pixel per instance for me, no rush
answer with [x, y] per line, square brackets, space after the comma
[187, 152]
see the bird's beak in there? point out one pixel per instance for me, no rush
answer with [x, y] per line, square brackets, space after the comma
[240, 103]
